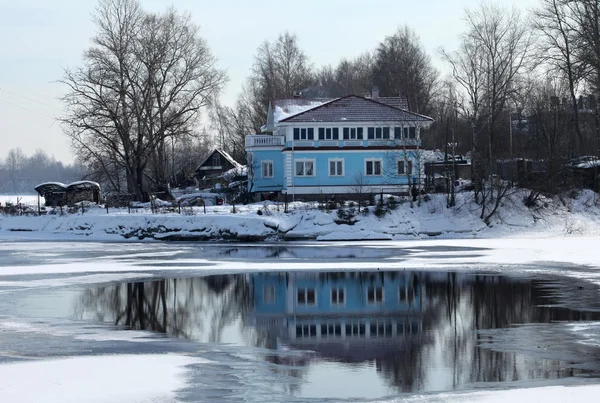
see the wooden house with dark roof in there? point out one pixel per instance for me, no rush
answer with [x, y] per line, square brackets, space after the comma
[211, 170]
[351, 146]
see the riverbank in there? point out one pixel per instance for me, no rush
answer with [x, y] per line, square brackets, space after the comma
[575, 214]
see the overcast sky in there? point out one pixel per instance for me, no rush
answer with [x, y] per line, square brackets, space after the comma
[39, 38]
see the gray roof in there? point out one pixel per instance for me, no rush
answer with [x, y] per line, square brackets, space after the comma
[353, 108]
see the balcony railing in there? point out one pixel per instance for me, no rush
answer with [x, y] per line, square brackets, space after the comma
[264, 140]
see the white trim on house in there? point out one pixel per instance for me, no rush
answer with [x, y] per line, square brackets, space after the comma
[375, 301]
[337, 304]
[347, 189]
[336, 160]
[380, 160]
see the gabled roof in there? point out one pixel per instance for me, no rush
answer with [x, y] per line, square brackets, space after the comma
[224, 154]
[353, 108]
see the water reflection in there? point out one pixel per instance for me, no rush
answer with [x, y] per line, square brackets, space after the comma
[418, 331]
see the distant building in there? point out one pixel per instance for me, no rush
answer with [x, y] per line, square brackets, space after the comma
[211, 170]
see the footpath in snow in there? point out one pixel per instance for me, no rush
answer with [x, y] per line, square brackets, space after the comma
[574, 214]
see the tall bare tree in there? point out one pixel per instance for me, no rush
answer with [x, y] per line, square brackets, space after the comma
[558, 50]
[143, 81]
[402, 67]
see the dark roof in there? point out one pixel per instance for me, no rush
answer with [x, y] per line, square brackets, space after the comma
[353, 108]
[396, 102]
[224, 154]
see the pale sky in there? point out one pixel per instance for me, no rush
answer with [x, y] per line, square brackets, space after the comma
[39, 38]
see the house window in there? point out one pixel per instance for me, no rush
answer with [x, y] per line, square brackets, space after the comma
[306, 331]
[380, 329]
[306, 296]
[216, 160]
[405, 167]
[337, 296]
[410, 132]
[267, 169]
[378, 133]
[353, 133]
[336, 167]
[269, 294]
[305, 167]
[304, 134]
[329, 133]
[331, 330]
[375, 295]
[397, 132]
[355, 330]
[373, 167]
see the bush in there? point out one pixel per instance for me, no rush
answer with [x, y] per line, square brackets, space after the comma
[379, 211]
[426, 198]
[392, 204]
[365, 211]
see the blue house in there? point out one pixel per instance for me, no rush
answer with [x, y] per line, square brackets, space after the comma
[352, 316]
[346, 146]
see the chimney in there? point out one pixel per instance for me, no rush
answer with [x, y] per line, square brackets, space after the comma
[375, 93]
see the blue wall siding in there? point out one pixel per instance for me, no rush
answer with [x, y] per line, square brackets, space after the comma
[259, 284]
[354, 163]
[267, 184]
[355, 294]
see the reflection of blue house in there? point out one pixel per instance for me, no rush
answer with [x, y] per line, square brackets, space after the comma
[358, 309]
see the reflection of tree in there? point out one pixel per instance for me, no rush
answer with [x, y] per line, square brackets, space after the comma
[459, 305]
[196, 308]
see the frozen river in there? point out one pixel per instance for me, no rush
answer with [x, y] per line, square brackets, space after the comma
[294, 322]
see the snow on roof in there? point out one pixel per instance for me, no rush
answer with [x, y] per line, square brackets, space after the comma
[50, 184]
[224, 154]
[285, 108]
[241, 170]
[83, 184]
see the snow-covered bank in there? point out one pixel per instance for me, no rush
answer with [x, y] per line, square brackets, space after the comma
[576, 214]
[121, 378]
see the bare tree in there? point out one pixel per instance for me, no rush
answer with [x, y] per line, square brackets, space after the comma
[557, 49]
[402, 67]
[143, 81]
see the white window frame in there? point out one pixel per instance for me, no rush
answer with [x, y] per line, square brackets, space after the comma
[375, 301]
[262, 171]
[411, 167]
[305, 302]
[355, 325]
[304, 161]
[305, 330]
[336, 160]
[373, 160]
[330, 330]
[269, 291]
[337, 301]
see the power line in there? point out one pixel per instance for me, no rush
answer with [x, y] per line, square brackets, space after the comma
[25, 108]
[26, 98]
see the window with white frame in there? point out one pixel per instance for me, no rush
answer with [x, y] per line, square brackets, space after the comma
[405, 167]
[375, 295]
[306, 331]
[305, 168]
[410, 132]
[267, 169]
[355, 329]
[353, 133]
[269, 294]
[336, 167]
[380, 329]
[373, 167]
[304, 133]
[329, 133]
[306, 296]
[331, 330]
[337, 296]
[378, 133]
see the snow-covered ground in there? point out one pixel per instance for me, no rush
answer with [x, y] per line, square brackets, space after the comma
[559, 238]
[577, 214]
